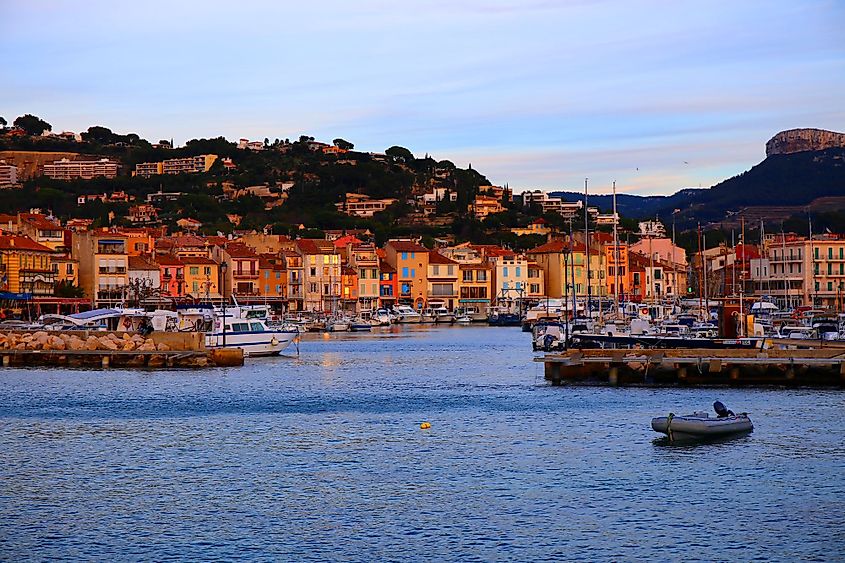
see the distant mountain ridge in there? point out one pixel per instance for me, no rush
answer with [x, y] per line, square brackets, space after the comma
[787, 177]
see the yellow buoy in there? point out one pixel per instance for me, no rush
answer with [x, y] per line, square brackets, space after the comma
[425, 425]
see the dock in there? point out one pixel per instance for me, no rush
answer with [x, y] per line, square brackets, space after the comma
[164, 350]
[810, 367]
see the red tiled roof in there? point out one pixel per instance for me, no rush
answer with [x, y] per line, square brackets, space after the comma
[18, 242]
[348, 239]
[315, 246]
[406, 246]
[139, 263]
[437, 258]
[39, 221]
[194, 260]
[240, 250]
[168, 260]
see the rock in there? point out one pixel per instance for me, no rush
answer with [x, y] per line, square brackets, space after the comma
[127, 336]
[128, 346]
[162, 347]
[56, 343]
[108, 344]
[92, 343]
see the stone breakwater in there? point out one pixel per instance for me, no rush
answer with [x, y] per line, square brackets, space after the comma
[799, 140]
[111, 342]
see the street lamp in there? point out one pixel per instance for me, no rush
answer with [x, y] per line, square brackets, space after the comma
[223, 267]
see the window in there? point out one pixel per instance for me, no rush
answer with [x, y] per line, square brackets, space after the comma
[467, 275]
[658, 274]
[829, 252]
[313, 288]
[435, 270]
[816, 251]
[405, 272]
[404, 256]
[256, 327]
[450, 270]
[314, 272]
[817, 286]
[505, 272]
[413, 255]
[195, 270]
[413, 272]
[70, 269]
[207, 270]
[829, 268]
[830, 286]
[195, 287]
[266, 289]
[519, 271]
[278, 289]
[278, 275]
[481, 275]
[636, 278]
[266, 274]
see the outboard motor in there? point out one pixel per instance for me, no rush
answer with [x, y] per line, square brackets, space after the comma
[721, 410]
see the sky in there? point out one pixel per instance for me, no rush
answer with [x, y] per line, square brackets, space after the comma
[536, 94]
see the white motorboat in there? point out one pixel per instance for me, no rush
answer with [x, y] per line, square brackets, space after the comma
[338, 325]
[463, 319]
[382, 317]
[406, 314]
[441, 313]
[251, 334]
[700, 425]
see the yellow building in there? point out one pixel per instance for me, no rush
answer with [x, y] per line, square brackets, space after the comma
[25, 266]
[410, 260]
[558, 259]
[535, 227]
[66, 269]
[201, 277]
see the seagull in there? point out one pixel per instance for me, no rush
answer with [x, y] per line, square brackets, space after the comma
[685, 162]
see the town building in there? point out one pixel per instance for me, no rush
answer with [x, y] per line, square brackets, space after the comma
[321, 280]
[8, 175]
[66, 169]
[202, 278]
[144, 279]
[410, 261]
[552, 204]
[172, 276]
[295, 270]
[103, 261]
[484, 205]
[25, 267]
[142, 213]
[360, 205]
[442, 279]
[536, 227]
[42, 229]
[239, 276]
[388, 284]
[187, 165]
[364, 259]
[272, 278]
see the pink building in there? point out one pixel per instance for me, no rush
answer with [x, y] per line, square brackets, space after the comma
[172, 276]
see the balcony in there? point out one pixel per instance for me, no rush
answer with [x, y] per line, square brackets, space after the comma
[245, 274]
[112, 271]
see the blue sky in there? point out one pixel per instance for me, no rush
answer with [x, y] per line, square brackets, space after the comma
[537, 94]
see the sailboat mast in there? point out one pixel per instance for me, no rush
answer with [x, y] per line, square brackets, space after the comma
[615, 252]
[587, 246]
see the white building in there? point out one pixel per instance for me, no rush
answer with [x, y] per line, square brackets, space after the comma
[8, 175]
[66, 169]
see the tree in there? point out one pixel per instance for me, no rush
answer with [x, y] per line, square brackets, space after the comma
[305, 139]
[66, 289]
[98, 134]
[3, 122]
[400, 153]
[32, 125]
[343, 144]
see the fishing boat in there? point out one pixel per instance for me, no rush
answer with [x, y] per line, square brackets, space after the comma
[232, 327]
[700, 425]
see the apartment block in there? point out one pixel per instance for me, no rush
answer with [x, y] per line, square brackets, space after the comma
[66, 169]
[187, 165]
[8, 175]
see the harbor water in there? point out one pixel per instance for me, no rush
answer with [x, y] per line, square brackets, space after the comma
[320, 456]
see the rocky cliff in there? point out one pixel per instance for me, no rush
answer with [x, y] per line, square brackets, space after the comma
[799, 140]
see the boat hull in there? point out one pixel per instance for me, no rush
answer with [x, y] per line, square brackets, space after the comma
[701, 427]
[254, 344]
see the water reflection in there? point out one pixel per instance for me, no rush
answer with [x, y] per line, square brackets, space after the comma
[321, 457]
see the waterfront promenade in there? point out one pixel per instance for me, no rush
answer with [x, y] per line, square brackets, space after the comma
[320, 457]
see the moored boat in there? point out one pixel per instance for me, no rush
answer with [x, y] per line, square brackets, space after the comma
[700, 425]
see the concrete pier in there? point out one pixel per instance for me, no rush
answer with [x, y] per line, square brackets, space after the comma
[823, 367]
